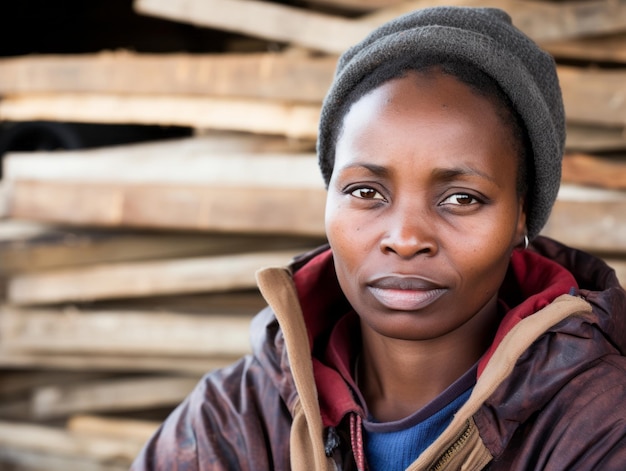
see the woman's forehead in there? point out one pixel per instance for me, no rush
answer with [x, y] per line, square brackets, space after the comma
[424, 101]
[433, 119]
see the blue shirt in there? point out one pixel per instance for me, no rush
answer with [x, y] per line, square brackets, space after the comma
[392, 446]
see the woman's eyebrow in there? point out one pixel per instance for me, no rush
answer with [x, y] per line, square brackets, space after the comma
[377, 170]
[448, 174]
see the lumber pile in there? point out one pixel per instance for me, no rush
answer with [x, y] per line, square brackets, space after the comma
[105, 331]
[128, 271]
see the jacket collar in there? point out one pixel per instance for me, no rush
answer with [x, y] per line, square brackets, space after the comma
[334, 338]
[536, 276]
[314, 299]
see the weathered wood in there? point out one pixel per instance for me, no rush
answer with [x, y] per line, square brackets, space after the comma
[16, 409]
[591, 96]
[541, 21]
[180, 184]
[185, 161]
[595, 171]
[332, 34]
[137, 430]
[296, 120]
[234, 142]
[608, 48]
[23, 459]
[356, 5]
[127, 363]
[70, 330]
[171, 185]
[267, 75]
[81, 249]
[51, 441]
[581, 138]
[226, 303]
[20, 382]
[594, 96]
[111, 395]
[3, 200]
[261, 19]
[150, 278]
[259, 210]
[40, 247]
[593, 220]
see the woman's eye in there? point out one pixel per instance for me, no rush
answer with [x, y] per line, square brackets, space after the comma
[367, 194]
[460, 199]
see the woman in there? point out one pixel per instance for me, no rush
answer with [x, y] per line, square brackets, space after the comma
[429, 335]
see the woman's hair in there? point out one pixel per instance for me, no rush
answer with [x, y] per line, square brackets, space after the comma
[466, 73]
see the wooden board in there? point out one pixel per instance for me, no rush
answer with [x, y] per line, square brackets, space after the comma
[265, 20]
[607, 48]
[68, 330]
[185, 161]
[258, 210]
[295, 120]
[590, 96]
[227, 303]
[149, 278]
[355, 5]
[582, 138]
[595, 171]
[18, 383]
[211, 141]
[24, 459]
[277, 76]
[53, 441]
[175, 185]
[542, 21]
[594, 96]
[130, 429]
[333, 34]
[127, 363]
[593, 220]
[114, 395]
[42, 247]
[3, 200]
[16, 409]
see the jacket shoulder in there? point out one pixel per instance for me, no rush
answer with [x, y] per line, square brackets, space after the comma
[582, 427]
[224, 423]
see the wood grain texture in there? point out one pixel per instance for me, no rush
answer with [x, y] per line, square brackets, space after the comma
[297, 120]
[123, 332]
[275, 76]
[149, 278]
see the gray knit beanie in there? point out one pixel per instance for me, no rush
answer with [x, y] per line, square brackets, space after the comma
[485, 38]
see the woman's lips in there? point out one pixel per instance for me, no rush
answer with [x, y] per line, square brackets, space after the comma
[404, 293]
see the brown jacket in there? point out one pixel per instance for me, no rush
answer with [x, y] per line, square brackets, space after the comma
[551, 392]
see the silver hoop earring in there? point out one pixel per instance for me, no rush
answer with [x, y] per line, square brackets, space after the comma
[526, 242]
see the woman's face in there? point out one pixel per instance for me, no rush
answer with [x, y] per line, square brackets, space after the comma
[422, 211]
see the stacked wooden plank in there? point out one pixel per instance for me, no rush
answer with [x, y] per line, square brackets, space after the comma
[128, 271]
[149, 311]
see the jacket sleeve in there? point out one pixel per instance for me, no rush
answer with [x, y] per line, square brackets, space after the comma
[227, 422]
[595, 438]
[582, 428]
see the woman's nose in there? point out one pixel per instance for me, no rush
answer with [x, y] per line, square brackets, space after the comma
[409, 233]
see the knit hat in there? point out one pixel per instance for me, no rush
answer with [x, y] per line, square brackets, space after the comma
[485, 38]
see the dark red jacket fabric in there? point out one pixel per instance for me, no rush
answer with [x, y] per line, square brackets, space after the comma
[563, 407]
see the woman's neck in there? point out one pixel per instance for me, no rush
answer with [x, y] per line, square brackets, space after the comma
[398, 377]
